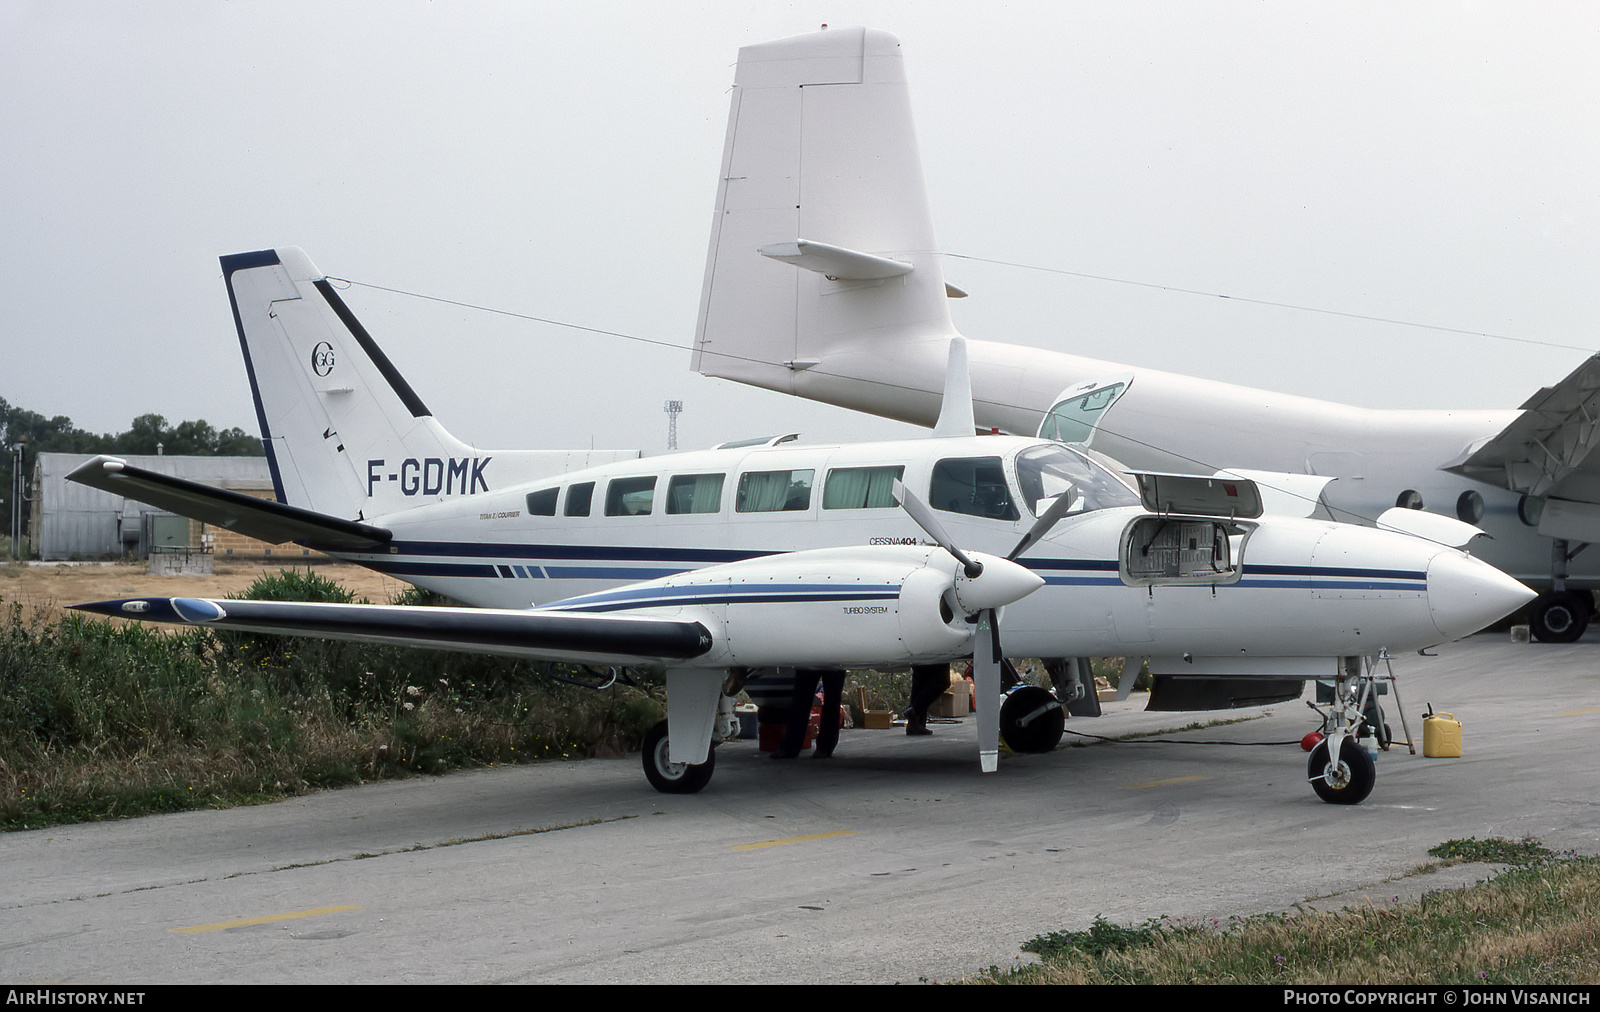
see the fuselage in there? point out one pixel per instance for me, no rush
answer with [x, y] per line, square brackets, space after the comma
[1164, 421]
[1282, 587]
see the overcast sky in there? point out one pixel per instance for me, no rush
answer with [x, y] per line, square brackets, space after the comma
[1426, 162]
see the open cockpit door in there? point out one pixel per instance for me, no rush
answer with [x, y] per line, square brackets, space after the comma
[1076, 411]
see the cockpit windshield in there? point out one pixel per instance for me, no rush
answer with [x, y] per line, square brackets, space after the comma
[1045, 472]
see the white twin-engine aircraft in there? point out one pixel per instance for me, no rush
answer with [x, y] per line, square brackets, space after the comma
[824, 280]
[770, 553]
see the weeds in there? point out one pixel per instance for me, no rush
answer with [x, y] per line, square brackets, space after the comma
[1538, 923]
[107, 720]
[1495, 850]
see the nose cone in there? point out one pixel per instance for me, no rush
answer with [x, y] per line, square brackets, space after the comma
[1001, 582]
[1465, 594]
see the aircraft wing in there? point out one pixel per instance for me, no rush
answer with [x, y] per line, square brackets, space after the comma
[1547, 450]
[554, 636]
[263, 519]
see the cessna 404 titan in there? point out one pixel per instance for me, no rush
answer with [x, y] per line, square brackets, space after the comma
[775, 554]
[824, 280]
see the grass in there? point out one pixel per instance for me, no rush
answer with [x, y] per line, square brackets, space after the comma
[107, 720]
[102, 720]
[1536, 923]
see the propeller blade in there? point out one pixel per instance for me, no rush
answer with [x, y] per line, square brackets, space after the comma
[986, 688]
[1041, 526]
[925, 519]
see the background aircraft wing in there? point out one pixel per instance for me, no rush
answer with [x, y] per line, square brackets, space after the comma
[553, 636]
[1547, 450]
[263, 519]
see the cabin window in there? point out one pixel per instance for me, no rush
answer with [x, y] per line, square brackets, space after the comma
[975, 486]
[543, 502]
[694, 493]
[630, 497]
[855, 488]
[774, 491]
[579, 497]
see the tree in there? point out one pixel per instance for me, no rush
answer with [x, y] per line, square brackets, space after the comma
[59, 435]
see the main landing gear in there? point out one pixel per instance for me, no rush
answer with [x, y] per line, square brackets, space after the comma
[667, 776]
[1561, 615]
[1031, 720]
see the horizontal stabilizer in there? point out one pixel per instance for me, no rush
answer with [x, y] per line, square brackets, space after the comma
[835, 262]
[262, 519]
[579, 639]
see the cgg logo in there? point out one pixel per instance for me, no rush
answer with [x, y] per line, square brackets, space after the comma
[322, 358]
[432, 475]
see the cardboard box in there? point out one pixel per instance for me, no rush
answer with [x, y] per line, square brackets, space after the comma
[956, 701]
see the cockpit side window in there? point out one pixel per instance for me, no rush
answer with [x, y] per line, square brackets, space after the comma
[1047, 471]
[975, 486]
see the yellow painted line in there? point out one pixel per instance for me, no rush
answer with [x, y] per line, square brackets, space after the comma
[245, 922]
[794, 839]
[1161, 783]
[1574, 713]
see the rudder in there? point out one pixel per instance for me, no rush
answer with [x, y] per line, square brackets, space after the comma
[345, 434]
[821, 235]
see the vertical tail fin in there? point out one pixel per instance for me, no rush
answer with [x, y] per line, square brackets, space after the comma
[344, 432]
[821, 233]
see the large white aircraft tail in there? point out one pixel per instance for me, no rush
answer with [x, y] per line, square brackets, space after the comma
[345, 434]
[822, 234]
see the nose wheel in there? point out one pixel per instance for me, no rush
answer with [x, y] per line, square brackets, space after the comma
[1345, 782]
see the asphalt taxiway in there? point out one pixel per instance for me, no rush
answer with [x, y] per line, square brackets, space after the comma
[897, 860]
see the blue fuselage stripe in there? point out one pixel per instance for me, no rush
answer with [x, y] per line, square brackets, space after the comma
[723, 596]
[609, 562]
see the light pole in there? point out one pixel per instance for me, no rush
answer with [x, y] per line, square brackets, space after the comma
[19, 459]
[673, 410]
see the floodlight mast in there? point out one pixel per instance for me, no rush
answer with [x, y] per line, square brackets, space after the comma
[673, 410]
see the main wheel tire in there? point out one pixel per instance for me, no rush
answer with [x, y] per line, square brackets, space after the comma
[1375, 725]
[1353, 776]
[1561, 617]
[1041, 734]
[667, 776]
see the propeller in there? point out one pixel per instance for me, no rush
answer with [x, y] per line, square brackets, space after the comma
[1041, 526]
[982, 590]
